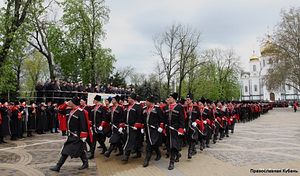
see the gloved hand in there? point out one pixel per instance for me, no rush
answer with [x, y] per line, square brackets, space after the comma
[194, 124]
[180, 133]
[120, 130]
[83, 139]
[142, 130]
[100, 128]
[159, 129]
[134, 128]
[205, 122]
[216, 120]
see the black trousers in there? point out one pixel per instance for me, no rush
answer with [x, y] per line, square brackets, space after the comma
[101, 140]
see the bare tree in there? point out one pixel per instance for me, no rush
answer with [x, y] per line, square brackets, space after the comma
[40, 36]
[189, 41]
[167, 49]
[283, 49]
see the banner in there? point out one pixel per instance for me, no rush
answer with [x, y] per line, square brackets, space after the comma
[104, 96]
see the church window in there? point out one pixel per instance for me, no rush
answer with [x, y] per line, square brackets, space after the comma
[246, 88]
[254, 67]
[255, 88]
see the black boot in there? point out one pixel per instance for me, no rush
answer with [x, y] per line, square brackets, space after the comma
[91, 154]
[177, 157]
[138, 155]
[171, 165]
[120, 150]
[147, 159]
[126, 156]
[59, 163]
[108, 152]
[158, 154]
[190, 151]
[85, 162]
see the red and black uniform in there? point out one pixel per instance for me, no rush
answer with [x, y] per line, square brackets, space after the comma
[115, 120]
[31, 123]
[4, 123]
[77, 133]
[174, 120]
[62, 118]
[133, 123]
[232, 118]
[207, 119]
[87, 111]
[98, 114]
[153, 125]
[193, 128]
[14, 120]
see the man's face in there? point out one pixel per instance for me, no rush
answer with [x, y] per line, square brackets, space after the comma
[95, 102]
[114, 101]
[171, 100]
[71, 104]
[82, 103]
[188, 101]
[130, 100]
[148, 103]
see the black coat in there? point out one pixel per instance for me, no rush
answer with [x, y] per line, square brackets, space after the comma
[4, 127]
[115, 118]
[77, 125]
[31, 123]
[132, 115]
[152, 121]
[41, 118]
[97, 115]
[193, 115]
[174, 118]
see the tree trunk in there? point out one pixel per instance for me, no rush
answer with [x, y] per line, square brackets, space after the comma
[51, 67]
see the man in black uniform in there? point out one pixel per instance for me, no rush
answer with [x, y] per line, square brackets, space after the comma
[174, 120]
[98, 114]
[193, 113]
[153, 124]
[116, 120]
[133, 119]
[77, 134]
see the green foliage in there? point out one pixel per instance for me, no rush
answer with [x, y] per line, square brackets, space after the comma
[283, 49]
[87, 59]
[35, 68]
[7, 78]
[217, 78]
[118, 80]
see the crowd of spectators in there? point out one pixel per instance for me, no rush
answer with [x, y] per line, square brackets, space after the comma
[59, 89]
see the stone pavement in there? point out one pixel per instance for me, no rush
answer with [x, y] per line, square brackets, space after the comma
[269, 142]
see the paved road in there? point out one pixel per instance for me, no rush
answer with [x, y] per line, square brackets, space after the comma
[270, 142]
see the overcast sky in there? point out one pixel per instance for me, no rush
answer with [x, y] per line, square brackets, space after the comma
[237, 24]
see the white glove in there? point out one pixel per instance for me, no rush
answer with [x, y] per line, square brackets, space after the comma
[216, 120]
[83, 139]
[194, 124]
[120, 130]
[134, 128]
[142, 130]
[159, 130]
[205, 122]
[180, 133]
[100, 128]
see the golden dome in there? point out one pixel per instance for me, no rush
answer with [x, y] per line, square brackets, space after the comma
[254, 58]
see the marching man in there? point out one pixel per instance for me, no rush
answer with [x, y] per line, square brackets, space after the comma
[174, 120]
[77, 134]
